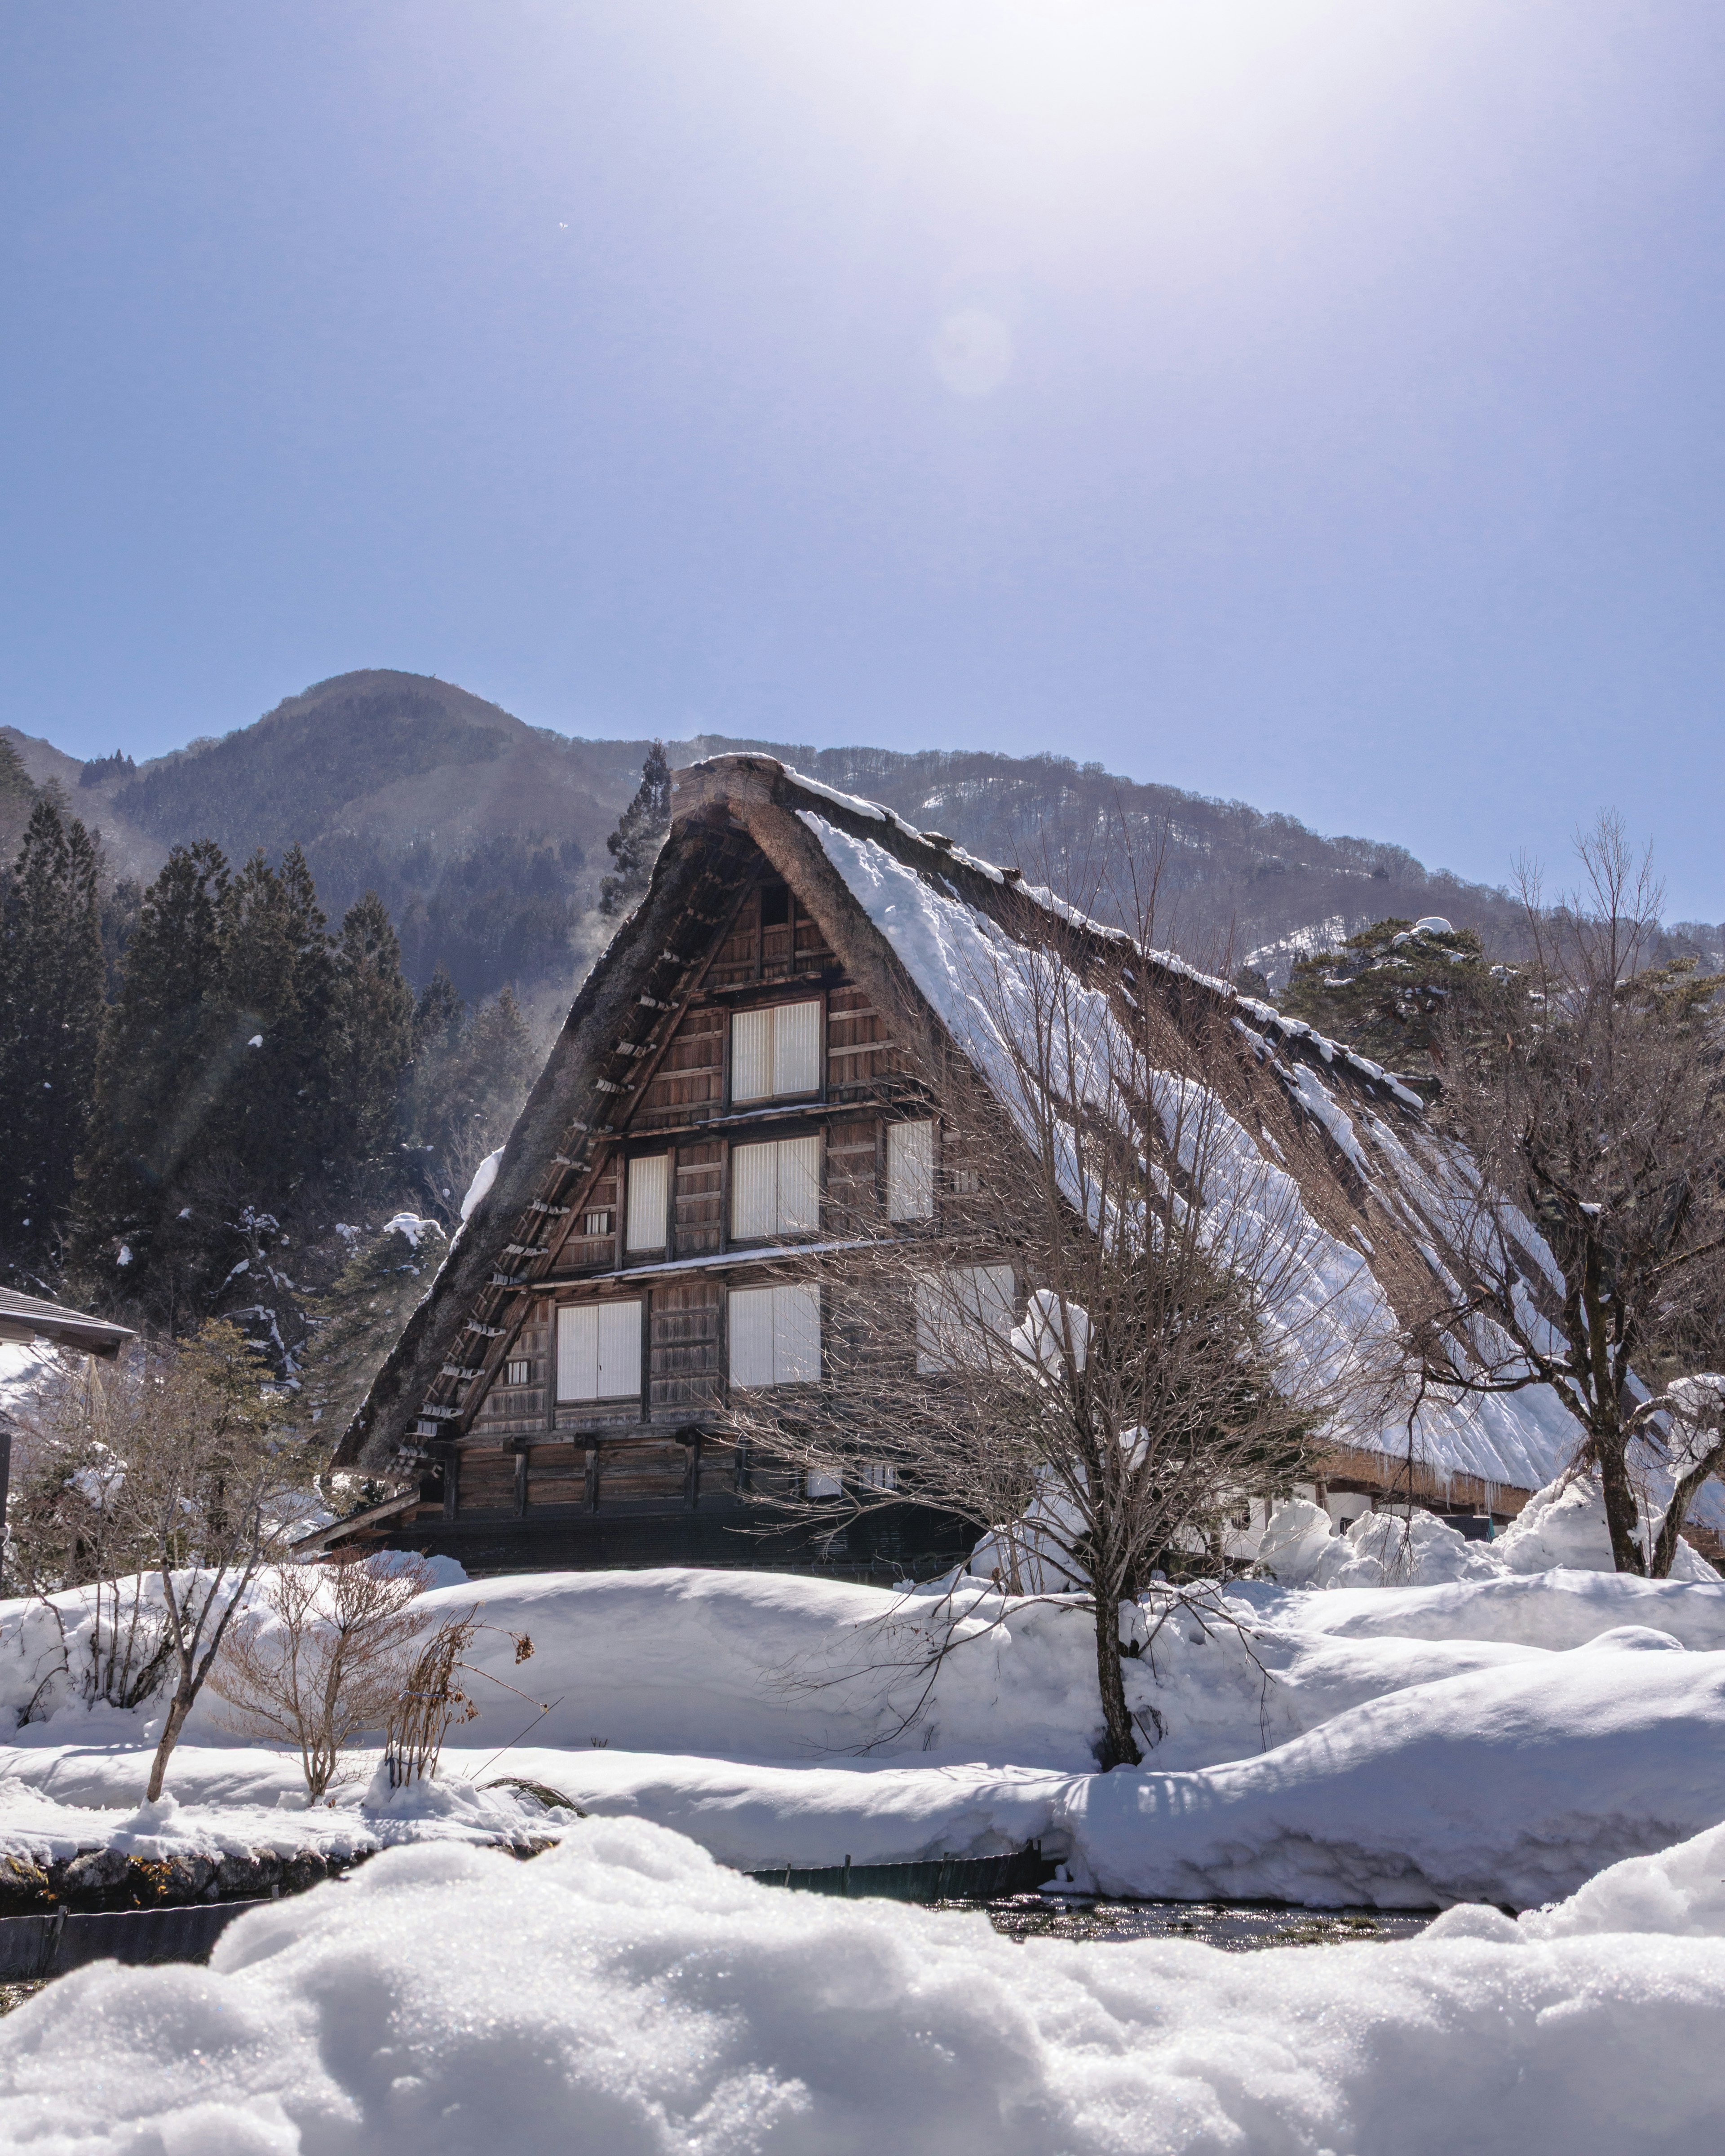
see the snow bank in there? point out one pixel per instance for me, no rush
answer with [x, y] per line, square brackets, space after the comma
[1380, 1549]
[623, 1995]
[1410, 1746]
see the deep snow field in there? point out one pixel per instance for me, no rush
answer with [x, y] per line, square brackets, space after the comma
[1495, 1736]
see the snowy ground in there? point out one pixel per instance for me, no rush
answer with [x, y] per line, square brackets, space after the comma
[624, 1996]
[1498, 1739]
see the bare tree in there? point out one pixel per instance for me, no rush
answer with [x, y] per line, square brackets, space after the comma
[1592, 1240]
[326, 1659]
[207, 1488]
[1094, 1326]
[69, 1524]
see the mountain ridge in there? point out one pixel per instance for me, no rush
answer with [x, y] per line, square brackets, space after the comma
[391, 780]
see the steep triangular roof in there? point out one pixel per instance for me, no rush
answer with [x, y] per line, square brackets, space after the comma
[908, 914]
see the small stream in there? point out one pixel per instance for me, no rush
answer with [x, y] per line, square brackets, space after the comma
[1235, 1927]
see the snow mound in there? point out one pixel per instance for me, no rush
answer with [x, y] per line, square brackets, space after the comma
[622, 1995]
[1295, 1541]
[1383, 1549]
[1564, 1524]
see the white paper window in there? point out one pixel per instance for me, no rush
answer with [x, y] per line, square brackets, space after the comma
[775, 1336]
[819, 1483]
[649, 1190]
[775, 1052]
[910, 1171]
[879, 1475]
[599, 1351]
[955, 1310]
[775, 1188]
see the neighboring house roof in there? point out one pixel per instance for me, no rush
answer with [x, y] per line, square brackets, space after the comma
[28, 1317]
[913, 916]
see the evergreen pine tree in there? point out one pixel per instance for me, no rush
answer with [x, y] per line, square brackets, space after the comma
[18, 797]
[157, 1076]
[51, 984]
[275, 1122]
[357, 1323]
[374, 1026]
[633, 845]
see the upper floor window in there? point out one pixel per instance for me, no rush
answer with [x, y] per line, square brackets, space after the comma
[519, 1372]
[910, 1171]
[775, 1335]
[775, 1189]
[599, 1351]
[648, 1201]
[956, 1312]
[775, 1052]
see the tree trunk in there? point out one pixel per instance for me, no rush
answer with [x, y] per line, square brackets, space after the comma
[178, 1707]
[1120, 1745]
[1665, 1547]
[1627, 1554]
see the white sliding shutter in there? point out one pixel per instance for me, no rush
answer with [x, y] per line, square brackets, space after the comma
[752, 1055]
[775, 1052]
[648, 1192]
[619, 1349]
[599, 1351]
[775, 1336]
[578, 1352]
[775, 1188]
[954, 1309]
[754, 1190]
[799, 1186]
[796, 1048]
[796, 1336]
[750, 1318]
[910, 1171]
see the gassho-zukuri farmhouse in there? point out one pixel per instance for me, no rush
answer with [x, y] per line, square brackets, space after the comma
[740, 1065]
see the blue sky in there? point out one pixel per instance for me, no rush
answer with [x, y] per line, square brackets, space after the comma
[1305, 401]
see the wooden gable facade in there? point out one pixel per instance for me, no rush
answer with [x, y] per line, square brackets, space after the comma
[728, 1078]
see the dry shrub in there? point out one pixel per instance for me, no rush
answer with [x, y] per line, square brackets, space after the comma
[333, 1664]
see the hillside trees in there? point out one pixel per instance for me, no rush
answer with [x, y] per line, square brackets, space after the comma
[633, 845]
[1594, 1104]
[1397, 991]
[18, 797]
[51, 982]
[254, 1076]
[466, 1082]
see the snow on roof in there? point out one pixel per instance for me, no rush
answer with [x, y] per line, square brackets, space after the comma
[1332, 1306]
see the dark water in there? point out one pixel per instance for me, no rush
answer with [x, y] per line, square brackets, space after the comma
[1236, 1927]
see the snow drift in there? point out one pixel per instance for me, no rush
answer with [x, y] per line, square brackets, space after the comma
[1500, 1738]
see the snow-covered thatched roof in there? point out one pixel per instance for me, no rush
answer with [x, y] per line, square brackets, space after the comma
[1333, 1137]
